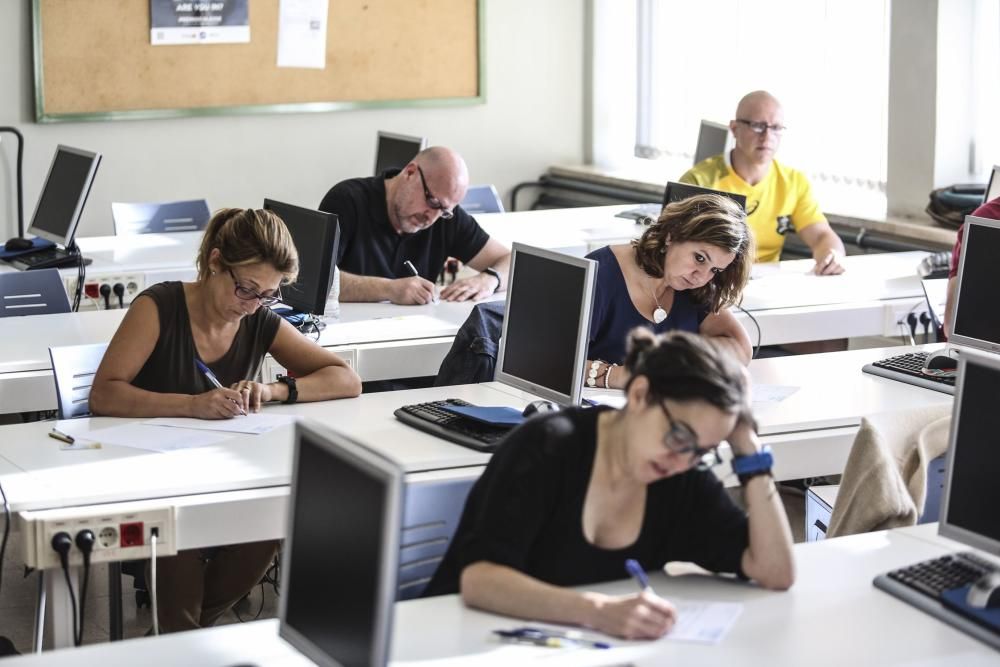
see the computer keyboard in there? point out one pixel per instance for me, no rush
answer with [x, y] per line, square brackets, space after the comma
[908, 368]
[48, 258]
[923, 584]
[431, 418]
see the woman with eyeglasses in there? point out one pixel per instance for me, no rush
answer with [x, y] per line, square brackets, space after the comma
[682, 274]
[570, 496]
[175, 339]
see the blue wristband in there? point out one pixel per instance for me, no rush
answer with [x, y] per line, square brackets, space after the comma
[751, 465]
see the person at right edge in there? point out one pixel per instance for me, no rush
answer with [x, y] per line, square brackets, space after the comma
[569, 496]
[779, 198]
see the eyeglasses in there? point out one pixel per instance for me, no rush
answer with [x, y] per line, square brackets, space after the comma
[682, 440]
[247, 294]
[759, 127]
[433, 201]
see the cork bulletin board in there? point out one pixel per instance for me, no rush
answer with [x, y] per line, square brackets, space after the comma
[94, 61]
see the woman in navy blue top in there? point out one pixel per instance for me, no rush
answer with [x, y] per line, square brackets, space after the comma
[683, 273]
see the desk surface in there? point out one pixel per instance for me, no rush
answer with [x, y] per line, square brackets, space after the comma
[831, 616]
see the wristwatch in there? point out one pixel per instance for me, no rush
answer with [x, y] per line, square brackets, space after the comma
[496, 274]
[759, 463]
[293, 392]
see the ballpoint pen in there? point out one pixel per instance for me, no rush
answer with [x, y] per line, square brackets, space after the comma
[636, 572]
[412, 269]
[64, 437]
[207, 372]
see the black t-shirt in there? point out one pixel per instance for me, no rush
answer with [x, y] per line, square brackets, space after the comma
[170, 368]
[526, 512]
[369, 246]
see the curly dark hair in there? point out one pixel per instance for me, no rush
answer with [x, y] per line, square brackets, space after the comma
[713, 219]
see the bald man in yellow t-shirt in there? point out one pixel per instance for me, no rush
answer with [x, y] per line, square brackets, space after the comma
[779, 198]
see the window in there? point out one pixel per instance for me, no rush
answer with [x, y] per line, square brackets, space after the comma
[826, 60]
[986, 86]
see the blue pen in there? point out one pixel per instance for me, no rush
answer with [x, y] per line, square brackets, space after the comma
[636, 572]
[207, 372]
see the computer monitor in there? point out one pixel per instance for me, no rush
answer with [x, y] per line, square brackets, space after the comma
[977, 318]
[342, 551]
[64, 194]
[394, 151]
[712, 138]
[679, 191]
[971, 493]
[317, 236]
[543, 347]
[993, 187]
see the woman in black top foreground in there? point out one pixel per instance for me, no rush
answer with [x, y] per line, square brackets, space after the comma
[570, 496]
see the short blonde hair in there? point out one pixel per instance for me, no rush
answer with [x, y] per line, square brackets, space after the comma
[713, 219]
[249, 236]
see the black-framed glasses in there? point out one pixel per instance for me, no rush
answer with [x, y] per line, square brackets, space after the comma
[433, 201]
[246, 294]
[681, 440]
[759, 127]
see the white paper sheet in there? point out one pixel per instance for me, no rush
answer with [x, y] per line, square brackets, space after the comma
[254, 423]
[772, 393]
[302, 33]
[141, 436]
[703, 622]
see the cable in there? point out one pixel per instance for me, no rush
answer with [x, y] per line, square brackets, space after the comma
[119, 291]
[753, 319]
[61, 543]
[925, 320]
[106, 293]
[85, 540]
[153, 534]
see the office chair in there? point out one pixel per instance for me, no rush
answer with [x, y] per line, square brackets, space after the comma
[895, 472]
[39, 292]
[430, 517]
[73, 367]
[482, 199]
[160, 217]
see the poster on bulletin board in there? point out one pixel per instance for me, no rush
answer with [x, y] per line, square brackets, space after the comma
[174, 22]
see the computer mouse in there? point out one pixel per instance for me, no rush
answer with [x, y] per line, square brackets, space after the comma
[17, 243]
[985, 593]
[940, 362]
[539, 406]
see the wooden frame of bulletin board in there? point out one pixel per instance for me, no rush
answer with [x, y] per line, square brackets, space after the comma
[94, 61]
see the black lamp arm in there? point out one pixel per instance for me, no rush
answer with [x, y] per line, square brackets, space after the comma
[20, 184]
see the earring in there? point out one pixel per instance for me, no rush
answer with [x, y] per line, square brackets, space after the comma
[213, 273]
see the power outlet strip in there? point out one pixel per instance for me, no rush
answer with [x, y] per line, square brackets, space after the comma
[122, 534]
[133, 283]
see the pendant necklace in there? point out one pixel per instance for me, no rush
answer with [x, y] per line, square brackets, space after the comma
[659, 314]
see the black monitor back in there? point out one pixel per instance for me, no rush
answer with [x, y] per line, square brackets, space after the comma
[317, 236]
[680, 191]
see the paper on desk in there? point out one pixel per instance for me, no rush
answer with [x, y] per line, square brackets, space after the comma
[140, 436]
[255, 423]
[703, 622]
[772, 393]
[302, 33]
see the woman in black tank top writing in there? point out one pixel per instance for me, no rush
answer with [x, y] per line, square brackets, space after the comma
[151, 369]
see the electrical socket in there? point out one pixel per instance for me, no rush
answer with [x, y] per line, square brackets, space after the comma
[122, 533]
[134, 284]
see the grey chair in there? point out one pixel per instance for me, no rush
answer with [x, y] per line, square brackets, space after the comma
[32, 293]
[74, 367]
[431, 514]
[482, 199]
[160, 217]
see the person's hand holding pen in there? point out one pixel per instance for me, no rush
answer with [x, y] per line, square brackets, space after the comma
[252, 394]
[643, 615]
[412, 290]
[219, 403]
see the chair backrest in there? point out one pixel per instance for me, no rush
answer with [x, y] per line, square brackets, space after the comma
[482, 199]
[430, 517]
[32, 293]
[74, 367]
[160, 217]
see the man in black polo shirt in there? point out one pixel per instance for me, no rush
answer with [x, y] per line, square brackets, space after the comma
[391, 219]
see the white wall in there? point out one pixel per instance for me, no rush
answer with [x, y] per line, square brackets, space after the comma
[532, 118]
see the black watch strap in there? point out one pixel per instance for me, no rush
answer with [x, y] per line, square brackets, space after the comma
[496, 274]
[293, 392]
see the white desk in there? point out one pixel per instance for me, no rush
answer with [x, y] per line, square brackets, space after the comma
[831, 616]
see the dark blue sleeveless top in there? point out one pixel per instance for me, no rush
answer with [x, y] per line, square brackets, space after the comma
[613, 314]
